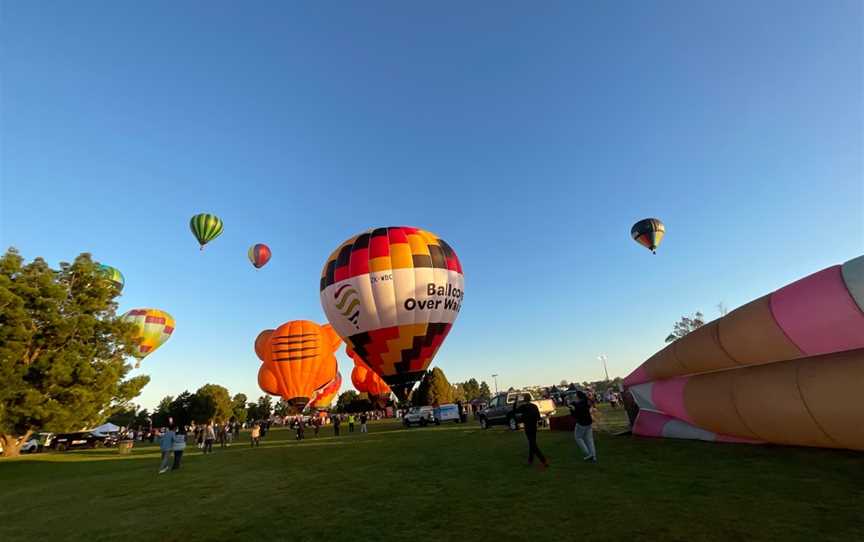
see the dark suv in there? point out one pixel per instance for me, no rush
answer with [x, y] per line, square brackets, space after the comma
[81, 439]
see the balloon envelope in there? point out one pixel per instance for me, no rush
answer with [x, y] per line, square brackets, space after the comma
[649, 233]
[114, 275]
[364, 379]
[261, 342]
[393, 294]
[323, 396]
[205, 227]
[259, 255]
[298, 359]
[153, 328]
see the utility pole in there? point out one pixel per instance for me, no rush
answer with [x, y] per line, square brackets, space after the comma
[602, 358]
[495, 377]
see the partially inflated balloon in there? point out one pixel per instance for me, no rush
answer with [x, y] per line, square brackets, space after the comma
[205, 227]
[393, 294]
[366, 380]
[259, 255]
[261, 342]
[649, 233]
[298, 359]
[153, 327]
[323, 396]
[114, 275]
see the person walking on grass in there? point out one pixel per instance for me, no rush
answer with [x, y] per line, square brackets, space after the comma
[530, 417]
[363, 419]
[316, 425]
[336, 423]
[350, 423]
[166, 446]
[256, 436]
[236, 430]
[582, 432]
[179, 446]
[301, 428]
[209, 438]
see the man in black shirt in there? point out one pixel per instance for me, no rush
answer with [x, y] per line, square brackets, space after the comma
[581, 410]
[530, 416]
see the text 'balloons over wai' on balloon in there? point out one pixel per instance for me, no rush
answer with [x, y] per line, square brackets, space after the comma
[649, 233]
[205, 227]
[259, 255]
[298, 360]
[393, 294]
[152, 328]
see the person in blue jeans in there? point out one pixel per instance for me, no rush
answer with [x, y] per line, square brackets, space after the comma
[179, 446]
[166, 446]
[581, 410]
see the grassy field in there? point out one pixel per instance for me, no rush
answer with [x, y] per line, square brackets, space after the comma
[453, 482]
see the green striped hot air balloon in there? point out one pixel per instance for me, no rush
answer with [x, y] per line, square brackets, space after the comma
[205, 227]
[114, 275]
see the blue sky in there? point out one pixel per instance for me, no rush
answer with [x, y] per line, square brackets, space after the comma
[530, 136]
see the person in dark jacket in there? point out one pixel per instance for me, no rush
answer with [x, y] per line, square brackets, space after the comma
[581, 410]
[337, 421]
[530, 417]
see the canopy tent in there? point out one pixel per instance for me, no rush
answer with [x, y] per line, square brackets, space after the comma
[105, 429]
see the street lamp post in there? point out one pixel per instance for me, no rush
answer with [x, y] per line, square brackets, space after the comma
[495, 377]
[602, 359]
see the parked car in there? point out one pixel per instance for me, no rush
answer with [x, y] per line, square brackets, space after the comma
[421, 416]
[447, 413]
[81, 439]
[500, 410]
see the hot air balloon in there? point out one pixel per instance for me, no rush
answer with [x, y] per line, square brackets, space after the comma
[205, 227]
[114, 275]
[366, 380]
[153, 326]
[298, 359]
[261, 342]
[393, 294]
[259, 255]
[649, 233]
[323, 396]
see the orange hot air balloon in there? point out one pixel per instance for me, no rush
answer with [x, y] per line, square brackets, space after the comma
[298, 359]
[261, 341]
[366, 380]
[323, 396]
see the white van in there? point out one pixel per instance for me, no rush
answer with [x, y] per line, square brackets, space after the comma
[447, 413]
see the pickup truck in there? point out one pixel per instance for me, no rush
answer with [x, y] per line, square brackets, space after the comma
[500, 410]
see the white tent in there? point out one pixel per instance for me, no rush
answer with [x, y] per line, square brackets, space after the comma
[106, 428]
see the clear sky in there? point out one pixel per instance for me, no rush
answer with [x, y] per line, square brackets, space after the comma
[529, 135]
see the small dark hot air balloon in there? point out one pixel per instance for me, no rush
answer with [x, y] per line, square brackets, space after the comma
[649, 233]
[259, 255]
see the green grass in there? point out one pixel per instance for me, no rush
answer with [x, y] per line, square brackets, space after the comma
[454, 482]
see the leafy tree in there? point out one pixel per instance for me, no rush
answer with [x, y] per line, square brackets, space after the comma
[282, 408]
[163, 411]
[238, 407]
[458, 393]
[63, 349]
[265, 406]
[212, 402]
[686, 325]
[181, 409]
[130, 416]
[345, 399]
[434, 389]
[252, 412]
[471, 389]
[484, 391]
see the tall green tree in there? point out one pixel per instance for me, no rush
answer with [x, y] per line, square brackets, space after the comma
[265, 406]
[459, 393]
[212, 402]
[63, 349]
[471, 389]
[238, 407]
[484, 391]
[345, 399]
[434, 389]
[686, 325]
[282, 408]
